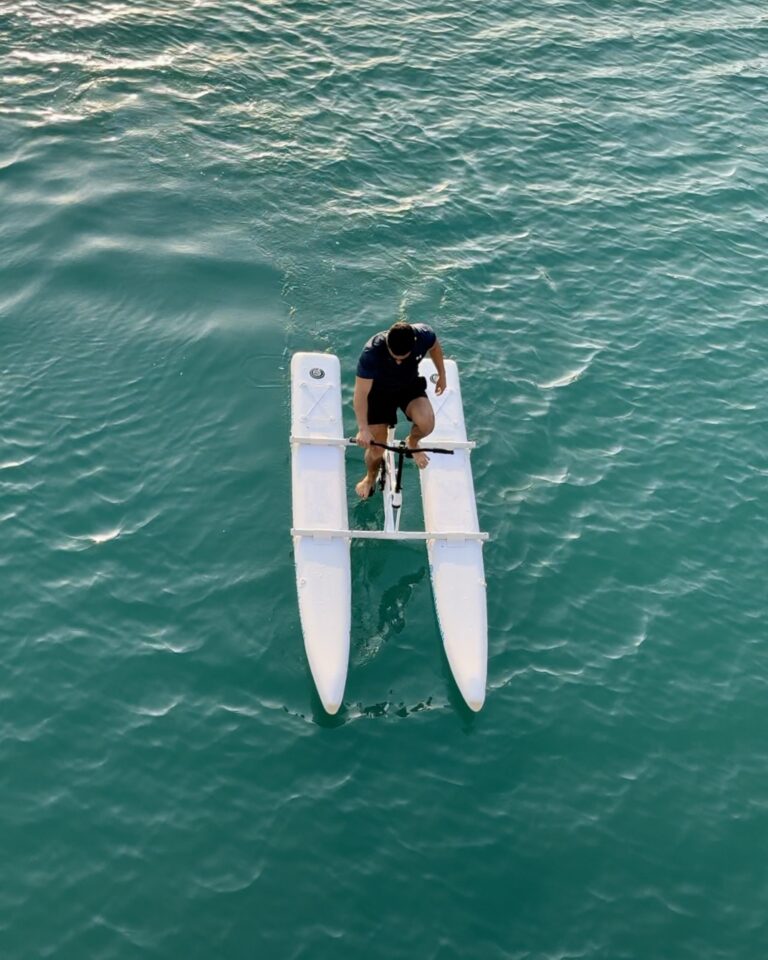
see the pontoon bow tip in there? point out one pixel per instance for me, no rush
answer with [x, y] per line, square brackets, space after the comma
[474, 695]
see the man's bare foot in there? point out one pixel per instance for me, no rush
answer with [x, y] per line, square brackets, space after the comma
[419, 458]
[365, 488]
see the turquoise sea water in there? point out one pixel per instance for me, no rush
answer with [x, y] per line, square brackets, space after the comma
[575, 196]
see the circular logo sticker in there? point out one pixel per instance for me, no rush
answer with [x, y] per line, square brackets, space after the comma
[317, 373]
[434, 378]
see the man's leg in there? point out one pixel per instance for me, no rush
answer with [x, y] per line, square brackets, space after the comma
[373, 458]
[423, 416]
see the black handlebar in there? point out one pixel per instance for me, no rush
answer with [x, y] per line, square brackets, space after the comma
[405, 450]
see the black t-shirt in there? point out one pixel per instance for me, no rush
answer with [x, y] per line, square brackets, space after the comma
[376, 362]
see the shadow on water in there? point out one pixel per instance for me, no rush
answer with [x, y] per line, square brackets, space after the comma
[377, 615]
[389, 709]
[319, 716]
[391, 618]
[386, 709]
[396, 599]
[469, 719]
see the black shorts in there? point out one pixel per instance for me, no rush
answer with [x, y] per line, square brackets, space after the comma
[383, 404]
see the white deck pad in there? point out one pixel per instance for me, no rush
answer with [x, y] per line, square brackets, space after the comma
[456, 566]
[323, 578]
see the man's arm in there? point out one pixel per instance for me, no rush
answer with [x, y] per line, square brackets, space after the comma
[436, 354]
[360, 403]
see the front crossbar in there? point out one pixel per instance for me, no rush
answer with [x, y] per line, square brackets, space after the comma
[446, 445]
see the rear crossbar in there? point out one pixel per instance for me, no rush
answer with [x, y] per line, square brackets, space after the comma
[388, 534]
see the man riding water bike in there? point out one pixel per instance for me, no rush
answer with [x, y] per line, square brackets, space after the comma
[387, 380]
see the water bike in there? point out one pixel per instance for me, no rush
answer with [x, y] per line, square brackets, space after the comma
[322, 537]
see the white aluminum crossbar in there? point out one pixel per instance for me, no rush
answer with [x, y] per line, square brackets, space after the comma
[389, 534]
[321, 441]
[341, 442]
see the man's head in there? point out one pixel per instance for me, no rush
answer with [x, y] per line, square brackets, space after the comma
[401, 340]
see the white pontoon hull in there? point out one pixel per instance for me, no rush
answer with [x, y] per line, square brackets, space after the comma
[323, 580]
[456, 566]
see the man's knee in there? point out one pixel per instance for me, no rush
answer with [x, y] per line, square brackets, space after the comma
[424, 419]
